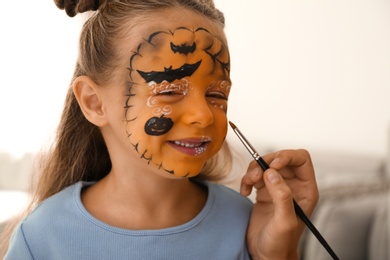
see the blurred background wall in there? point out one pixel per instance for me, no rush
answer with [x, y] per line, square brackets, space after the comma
[313, 74]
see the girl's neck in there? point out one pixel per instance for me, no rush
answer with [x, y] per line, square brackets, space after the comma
[144, 202]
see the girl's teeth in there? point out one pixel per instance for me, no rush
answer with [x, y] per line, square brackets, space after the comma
[199, 147]
[187, 144]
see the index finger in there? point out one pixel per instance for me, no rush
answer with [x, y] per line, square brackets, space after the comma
[298, 159]
[253, 177]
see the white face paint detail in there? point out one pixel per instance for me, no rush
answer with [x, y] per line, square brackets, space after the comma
[225, 85]
[200, 150]
[178, 87]
[222, 86]
[166, 110]
[151, 102]
[217, 106]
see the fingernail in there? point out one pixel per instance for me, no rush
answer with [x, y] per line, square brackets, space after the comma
[272, 176]
[274, 162]
[254, 172]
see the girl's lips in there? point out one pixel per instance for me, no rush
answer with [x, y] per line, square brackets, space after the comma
[193, 146]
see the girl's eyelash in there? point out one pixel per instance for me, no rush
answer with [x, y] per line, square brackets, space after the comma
[168, 92]
[219, 95]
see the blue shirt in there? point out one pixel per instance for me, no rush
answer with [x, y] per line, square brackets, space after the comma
[61, 228]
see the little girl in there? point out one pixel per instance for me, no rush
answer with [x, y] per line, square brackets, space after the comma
[140, 149]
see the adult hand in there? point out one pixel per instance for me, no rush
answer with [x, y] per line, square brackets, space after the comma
[274, 229]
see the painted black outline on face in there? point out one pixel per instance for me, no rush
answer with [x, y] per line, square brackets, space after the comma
[127, 106]
[224, 65]
[149, 159]
[181, 49]
[170, 74]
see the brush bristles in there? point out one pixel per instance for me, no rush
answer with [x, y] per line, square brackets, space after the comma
[232, 125]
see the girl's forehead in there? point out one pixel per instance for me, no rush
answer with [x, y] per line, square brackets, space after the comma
[175, 50]
[172, 18]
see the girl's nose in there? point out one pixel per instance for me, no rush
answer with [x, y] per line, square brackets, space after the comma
[197, 111]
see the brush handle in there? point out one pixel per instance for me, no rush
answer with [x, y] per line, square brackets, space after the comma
[314, 230]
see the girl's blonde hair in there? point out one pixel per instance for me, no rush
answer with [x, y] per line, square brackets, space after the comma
[78, 152]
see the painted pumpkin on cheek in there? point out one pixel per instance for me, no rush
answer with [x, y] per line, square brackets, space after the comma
[158, 125]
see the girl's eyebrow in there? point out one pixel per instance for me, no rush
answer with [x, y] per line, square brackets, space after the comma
[170, 74]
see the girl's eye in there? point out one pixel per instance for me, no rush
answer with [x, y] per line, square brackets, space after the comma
[217, 94]
[168, 93]
[170, 96]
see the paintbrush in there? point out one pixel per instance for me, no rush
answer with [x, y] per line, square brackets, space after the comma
[264, 166]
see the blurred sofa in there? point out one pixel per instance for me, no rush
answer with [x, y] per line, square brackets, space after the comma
[353, 213]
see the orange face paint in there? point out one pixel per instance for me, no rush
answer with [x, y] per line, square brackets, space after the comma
[179, 73]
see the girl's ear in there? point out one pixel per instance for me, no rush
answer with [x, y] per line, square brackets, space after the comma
[90, 100]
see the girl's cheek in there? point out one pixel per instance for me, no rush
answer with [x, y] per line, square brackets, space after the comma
[221, 105]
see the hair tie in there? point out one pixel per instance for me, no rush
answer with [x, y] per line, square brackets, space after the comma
[96, 6]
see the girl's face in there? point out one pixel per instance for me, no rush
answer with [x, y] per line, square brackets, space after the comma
[173, 111]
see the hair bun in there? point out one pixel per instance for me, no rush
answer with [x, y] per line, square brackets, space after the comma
[73, 7]
[208, 3]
